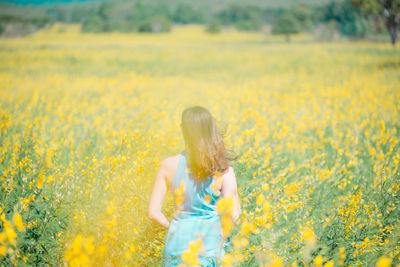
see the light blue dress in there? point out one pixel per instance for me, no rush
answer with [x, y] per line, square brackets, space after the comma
[197, 218]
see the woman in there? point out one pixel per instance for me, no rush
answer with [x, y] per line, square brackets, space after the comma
[193, 177]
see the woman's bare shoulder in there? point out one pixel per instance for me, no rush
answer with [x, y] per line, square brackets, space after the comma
[228, 175]
[171, 164]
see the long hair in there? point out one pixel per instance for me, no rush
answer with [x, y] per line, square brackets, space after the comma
[206, 151]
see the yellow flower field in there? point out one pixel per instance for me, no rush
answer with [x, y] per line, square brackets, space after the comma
[86, 119]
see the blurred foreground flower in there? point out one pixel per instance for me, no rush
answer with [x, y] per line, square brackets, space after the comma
[384, 261]
[225, 209]
[190, 255]
[18, 222]
[78, 252]
[276, 261]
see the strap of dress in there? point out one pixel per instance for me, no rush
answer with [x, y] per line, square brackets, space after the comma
[178, 172]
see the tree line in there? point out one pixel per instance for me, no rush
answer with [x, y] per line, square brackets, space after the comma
[351, 18]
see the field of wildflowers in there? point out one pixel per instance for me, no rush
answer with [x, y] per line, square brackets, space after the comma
[85, 120]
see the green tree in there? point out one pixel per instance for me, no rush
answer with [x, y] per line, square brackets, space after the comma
[148, 18]
[105, 10]
[93, 24]
[304, 15]
[245, 18]
[389, 10]
[184, 13]
[57, 12]
[214, 26]
[79, 13]
[141, 12]
[351, 22]
[286, 24]
[248, 25]
[155, 24]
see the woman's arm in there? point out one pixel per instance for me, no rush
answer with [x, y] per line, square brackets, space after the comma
[229, 189]
[157, 196]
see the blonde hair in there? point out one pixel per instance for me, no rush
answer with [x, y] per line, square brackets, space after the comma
[206, 150]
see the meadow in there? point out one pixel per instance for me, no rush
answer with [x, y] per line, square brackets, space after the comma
[87, 118]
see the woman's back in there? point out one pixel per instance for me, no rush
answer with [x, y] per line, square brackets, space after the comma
[195, 217]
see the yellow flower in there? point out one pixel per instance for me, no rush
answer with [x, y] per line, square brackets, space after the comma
[76, 244]
[384, 261]
[275, 262]
[247, 228]
[40, 180]
[227, 260]
[80, 260]
[132, 248]
[179, 191]
[329, 264]
[128, 255]
[290, 189]
[110, 208]
[3, 250]
[179, 200]
[309, 235]
[207, 198]
[265, 187]
[190, 255]
[18, 221]
[260, 199]
[217, 174]
[75, 256]
[101, 250]
[262, 220]
[10, 232]
[318, 261]
[225, 205]
[266, 206]
[342, 253]
[88, 245]
[195, 245]
[240, 242]
[49, 156]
